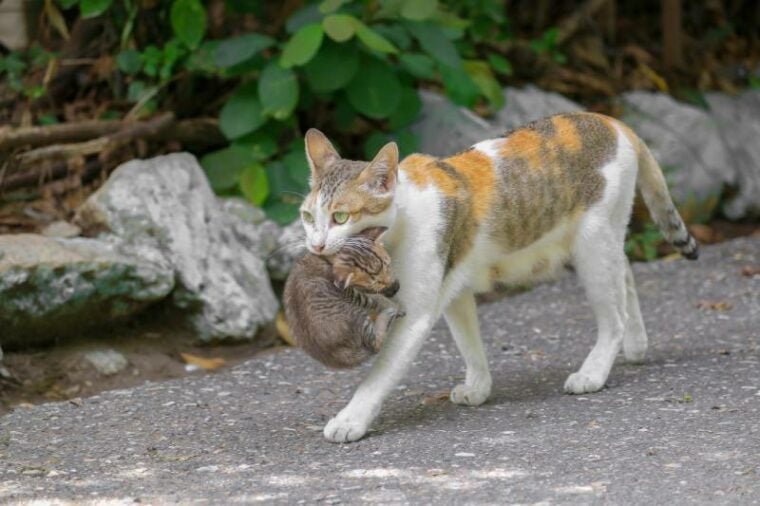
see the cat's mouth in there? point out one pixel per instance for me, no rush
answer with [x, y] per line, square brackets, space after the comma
[392, 289]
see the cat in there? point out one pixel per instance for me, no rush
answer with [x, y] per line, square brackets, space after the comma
[338, 308]
[511, 209]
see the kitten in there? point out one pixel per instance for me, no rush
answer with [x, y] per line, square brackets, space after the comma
[511, 209]
[338, 308]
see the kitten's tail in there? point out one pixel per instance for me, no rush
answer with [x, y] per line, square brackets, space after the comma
[664, 213]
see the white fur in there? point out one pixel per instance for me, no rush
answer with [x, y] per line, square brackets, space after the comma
[593, 240]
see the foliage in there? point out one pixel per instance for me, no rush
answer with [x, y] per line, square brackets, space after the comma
[643, 245]
[349, 67]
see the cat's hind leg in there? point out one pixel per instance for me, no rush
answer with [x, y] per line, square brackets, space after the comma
[600, 263]
[462, 318]
[635, 339]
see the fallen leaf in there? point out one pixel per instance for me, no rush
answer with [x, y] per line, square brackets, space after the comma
[435, 398]
[719, 305]
[208, 364]
[283, 329]
[751, 270]
[705, 234]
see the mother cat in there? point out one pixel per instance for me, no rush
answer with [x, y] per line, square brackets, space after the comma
[511, 209]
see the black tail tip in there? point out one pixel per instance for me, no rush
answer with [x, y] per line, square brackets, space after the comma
[692, 254]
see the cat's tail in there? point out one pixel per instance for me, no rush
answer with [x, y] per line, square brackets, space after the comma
[654, 189]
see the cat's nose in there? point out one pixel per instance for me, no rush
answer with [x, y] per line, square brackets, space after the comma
[318, 247]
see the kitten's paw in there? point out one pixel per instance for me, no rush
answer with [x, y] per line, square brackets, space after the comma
[470, 395]
[343, 429]
[582, 383]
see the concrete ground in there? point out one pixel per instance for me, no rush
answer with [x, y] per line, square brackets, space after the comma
[683, 428]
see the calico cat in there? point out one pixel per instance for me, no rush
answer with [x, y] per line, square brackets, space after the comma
[338, 308]
[510, 209]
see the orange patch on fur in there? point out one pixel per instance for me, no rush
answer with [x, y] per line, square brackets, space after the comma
[567, 136]
[524, 144]
[422, 172]
[478, 169]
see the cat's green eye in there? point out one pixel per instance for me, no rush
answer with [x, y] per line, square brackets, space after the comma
[340, 217]
[307, 217]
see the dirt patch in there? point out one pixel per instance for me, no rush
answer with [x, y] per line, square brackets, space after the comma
[152, 345]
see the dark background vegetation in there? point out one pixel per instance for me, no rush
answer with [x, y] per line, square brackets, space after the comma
[237, 82]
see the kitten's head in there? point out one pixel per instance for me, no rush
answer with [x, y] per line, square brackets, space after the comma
[363, 263]
[346, 196]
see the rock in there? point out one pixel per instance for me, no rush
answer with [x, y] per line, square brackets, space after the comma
[523, 105]
[50, 288]
[738, 120]
[106, 362]
[290, 246]
[687, 143]
[444, 128]
[61, 229]
[162, 210]
[249, 223]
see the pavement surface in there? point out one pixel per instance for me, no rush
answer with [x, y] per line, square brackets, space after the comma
[683, 428]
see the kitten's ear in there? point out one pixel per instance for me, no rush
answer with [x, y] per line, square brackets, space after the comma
[319, 152]
[373, 233]
[381, 173]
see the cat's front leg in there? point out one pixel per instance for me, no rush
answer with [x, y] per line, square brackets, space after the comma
[391, 364]
[462, 317]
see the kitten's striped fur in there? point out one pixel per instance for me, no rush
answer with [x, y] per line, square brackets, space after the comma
[511, 209]
[336, 308]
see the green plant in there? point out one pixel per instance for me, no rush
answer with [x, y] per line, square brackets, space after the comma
[643, 245]
[16, 65]
[351, 67]
[547, 45]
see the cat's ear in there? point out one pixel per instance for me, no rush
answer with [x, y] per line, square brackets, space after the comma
[319, 152]
[373, 233]
[382, 172]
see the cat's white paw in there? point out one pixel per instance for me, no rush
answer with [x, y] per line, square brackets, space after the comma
[344, 429]
[582, 383]
[635, 350]
[470, 395]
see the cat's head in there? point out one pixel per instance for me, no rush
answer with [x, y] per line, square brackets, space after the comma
[362, 262]
[346, 196]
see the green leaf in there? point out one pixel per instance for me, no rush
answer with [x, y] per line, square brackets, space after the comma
[278, 91]
[237, 50]
[435, 43]
[460, 88]
[67, 4]
[481, 75]
[188, 18]
[374, 142]
[408, 142]
[302, 17]
[254, 184]
[396, 34]
[375, 90]
[223, 167]
[261, 145]
[374, 40]
[419, 10]
[333, 67]
[296, 165]
[302, 46]
[282, 186]
[242, 114]
[92, 8]
[282, 212]
[328, 6]
[340, 27]
[500, 64]
[129, 61]
[418, 64]
[408, 108]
